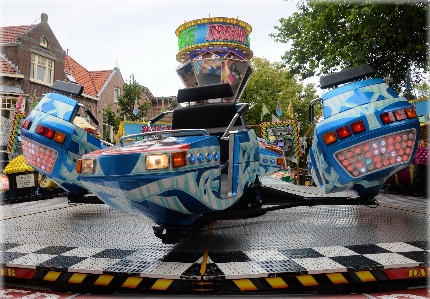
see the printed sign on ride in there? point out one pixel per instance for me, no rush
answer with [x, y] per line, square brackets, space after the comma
[220, 32]
[213, 32]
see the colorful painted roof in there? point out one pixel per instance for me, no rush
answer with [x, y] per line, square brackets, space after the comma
[10, 34]
[6, 67]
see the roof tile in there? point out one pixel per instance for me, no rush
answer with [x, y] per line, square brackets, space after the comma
[100, 78]
[10, 34]
[6, 67]
[81, 75]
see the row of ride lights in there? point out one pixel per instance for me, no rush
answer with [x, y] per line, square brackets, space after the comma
[45, 131]
[377, 154]
[359, 127]
[161, 161]
[38, 155]
[157, 161]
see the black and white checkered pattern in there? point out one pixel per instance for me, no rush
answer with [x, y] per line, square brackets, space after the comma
[220, 265]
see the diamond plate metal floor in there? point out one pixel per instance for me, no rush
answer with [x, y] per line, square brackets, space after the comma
[96, 239]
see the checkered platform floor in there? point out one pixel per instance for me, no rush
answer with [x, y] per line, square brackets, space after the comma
[220, 265]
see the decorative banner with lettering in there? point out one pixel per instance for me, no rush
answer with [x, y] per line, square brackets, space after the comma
[214, 35]
[213, 32]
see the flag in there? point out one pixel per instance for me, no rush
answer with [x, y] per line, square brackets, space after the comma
[274, 118]
[19, 103]
[34, 100]
[264, 111]
[290, 111]
[278, 109]
[136, 107]
[408, 81]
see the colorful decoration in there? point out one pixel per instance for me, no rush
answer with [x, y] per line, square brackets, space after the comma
[283, 123]
[422, 155]
[17, 165]
[213, 51]
[17, 118]
[19, 102]
[135, 127]
[213, 34]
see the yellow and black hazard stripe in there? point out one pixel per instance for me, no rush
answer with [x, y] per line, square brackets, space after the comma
[120, 280]
[329, 279]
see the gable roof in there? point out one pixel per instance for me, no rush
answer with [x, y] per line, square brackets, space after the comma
[93, 82]
[81, 75]
[100, 78]
[10, 34]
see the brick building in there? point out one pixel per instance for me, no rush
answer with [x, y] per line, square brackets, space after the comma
[32, 59]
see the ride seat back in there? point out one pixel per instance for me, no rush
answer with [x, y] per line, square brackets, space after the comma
[213, 117]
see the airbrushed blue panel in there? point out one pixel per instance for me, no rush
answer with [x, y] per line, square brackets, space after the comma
[58, 105]
[118, 164]
[351, 86]
[355, 95]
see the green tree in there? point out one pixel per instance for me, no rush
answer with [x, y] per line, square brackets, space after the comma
[271, 82]
[422, 90]
[111, 119]
[327, 36]
[126, 101]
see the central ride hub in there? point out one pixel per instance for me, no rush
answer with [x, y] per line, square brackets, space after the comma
[213, 51]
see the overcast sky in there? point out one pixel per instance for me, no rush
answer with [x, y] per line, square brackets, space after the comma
[140, 35]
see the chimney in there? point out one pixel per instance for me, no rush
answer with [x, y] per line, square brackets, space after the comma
[44, 17]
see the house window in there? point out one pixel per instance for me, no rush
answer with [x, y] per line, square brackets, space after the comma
[71, 78]
[44, 42]
[116, 94]
[6, 105]
[42, 69]
[108, 133]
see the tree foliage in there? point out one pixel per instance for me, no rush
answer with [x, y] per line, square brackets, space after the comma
[111, 119]
[271, 82]
[126, 101]
[422, 90]
[327, 36]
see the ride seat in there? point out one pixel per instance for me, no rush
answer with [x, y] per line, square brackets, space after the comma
[213, 117]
